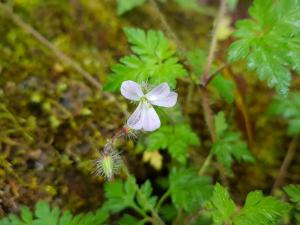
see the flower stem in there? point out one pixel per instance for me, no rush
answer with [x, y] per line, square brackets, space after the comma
[162, 199]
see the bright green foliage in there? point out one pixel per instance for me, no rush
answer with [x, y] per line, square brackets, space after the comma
[220, 123]
[153, 60]
[293, 191]
[196, 59]
[188, 190]
[129, 220]
[288, 108]
[269, 41]
[229, 144]
[44, 215]
[224, 87]
[121, 195]
[175, 139]
[126, 5]
[260, 210]
[221, 205]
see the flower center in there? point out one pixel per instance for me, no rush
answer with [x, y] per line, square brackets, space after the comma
[145, 101]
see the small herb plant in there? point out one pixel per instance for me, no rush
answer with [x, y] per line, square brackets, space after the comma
[151, 77]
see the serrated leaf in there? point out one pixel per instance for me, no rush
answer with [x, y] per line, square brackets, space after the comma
[220, 123]
[153, 60]
[144, 199]
[222, 206]
[129, 220]
[197, 59]
[118, 198]
[293, 191]
[224, 87]
[44, 215]
[188, 190]
[288, 108]
[127, 5]
[175, 139]
[231, 146]
[121, 195]
[260, 210]
[269, 41]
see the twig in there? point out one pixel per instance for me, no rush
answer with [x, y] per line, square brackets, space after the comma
[212, 75]
[213, 43]
[285, 164]
[202, 88]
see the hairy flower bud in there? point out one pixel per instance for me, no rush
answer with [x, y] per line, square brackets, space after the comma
[109, 163]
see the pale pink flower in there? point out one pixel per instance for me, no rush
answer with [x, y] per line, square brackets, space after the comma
[145, 117]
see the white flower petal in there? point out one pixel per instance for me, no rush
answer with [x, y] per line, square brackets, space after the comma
[151, 120]
[158, 92]
[131, 90]
[135, 121]
[168, 101]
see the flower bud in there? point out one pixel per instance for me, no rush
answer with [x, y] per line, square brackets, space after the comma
[109, 163]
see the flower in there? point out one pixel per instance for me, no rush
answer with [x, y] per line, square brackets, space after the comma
[145, 117]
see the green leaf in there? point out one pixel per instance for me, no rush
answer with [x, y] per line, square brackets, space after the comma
[224, 87]
[175, 139]
[269, 41]
[221, 205]
[288, 108]
[145, 200]
[260, 210]
[129, 220]
[220, 123]
[153, 60]
[127, 5]
[44, 215]
[229, 145]
[188, 190]
[119, 194]
[293, 191]
[197, 59]
[168, 212]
